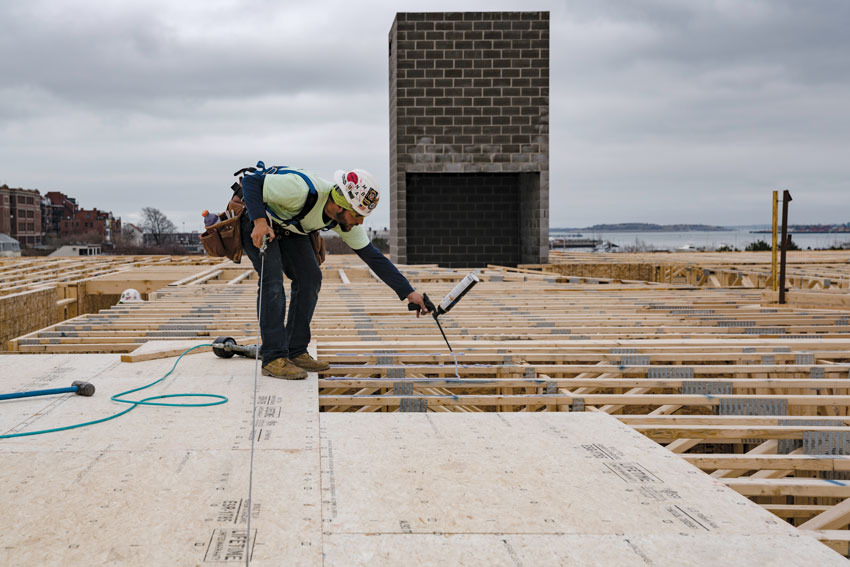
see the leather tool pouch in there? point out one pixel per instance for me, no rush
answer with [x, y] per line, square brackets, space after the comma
[224, 238]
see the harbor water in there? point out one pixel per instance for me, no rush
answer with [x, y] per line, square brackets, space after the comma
[695, 240]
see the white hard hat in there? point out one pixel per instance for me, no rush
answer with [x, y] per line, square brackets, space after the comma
[130, 295]
[359, 188]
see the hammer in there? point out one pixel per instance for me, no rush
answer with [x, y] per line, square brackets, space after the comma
[79, 388]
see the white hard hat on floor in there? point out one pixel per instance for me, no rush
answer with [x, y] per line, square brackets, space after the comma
[130, 295]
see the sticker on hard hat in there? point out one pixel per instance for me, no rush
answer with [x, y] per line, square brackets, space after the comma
[371, 199]
[352, 177]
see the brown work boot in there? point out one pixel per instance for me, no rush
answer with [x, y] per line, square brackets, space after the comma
[309, 363]
[283, 368]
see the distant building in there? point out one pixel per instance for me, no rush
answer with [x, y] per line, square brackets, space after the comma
[28, 217]
[57, 207]
[90, 224]
[9, 246]
[20, 215]
[189, 241]
[133, 234]
[5, 211]
[78, 250]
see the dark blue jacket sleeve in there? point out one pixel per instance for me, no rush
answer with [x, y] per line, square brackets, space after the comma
[252, 194]
[385, 270]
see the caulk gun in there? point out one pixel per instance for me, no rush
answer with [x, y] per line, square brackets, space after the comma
[447, 303]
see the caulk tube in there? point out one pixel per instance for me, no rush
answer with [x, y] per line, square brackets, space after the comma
[459, 291]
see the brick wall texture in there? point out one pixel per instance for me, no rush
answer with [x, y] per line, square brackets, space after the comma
[469, 96]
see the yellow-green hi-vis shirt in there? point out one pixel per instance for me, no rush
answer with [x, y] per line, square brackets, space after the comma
[285, 194]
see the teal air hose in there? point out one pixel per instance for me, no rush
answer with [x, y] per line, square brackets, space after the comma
[135, 403]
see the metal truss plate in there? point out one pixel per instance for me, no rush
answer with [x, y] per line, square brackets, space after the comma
[804, 358]
[635, 360]
[752, 406]
[707, 388]
[826, 442]
[766, 331]
[670, 372]
[414, 405]
[785, 446]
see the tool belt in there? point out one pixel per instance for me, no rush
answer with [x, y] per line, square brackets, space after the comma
[316, 240]
[224, 238]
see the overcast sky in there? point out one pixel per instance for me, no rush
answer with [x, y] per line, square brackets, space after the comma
[661, 111]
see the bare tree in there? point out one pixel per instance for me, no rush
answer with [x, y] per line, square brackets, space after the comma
[156, 224]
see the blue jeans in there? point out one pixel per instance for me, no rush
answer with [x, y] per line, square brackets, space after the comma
[292, 255]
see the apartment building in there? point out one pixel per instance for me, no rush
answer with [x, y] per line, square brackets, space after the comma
[21, 216]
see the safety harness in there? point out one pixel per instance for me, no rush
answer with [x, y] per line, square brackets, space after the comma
[312, 195]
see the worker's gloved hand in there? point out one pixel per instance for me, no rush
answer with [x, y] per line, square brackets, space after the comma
[261, 229]
[416, 298]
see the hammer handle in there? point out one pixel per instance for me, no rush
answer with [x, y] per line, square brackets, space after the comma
[80, 388]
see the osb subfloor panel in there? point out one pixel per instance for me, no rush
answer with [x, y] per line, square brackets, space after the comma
[157, 486]
[164, 486]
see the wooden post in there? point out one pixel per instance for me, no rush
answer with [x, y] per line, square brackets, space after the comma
[773, 274]
[786, 198]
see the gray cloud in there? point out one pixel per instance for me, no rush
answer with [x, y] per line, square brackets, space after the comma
[694, 112]
[661, 111]
[130, 55]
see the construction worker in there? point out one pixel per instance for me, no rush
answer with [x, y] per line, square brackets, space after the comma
[286, 206]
